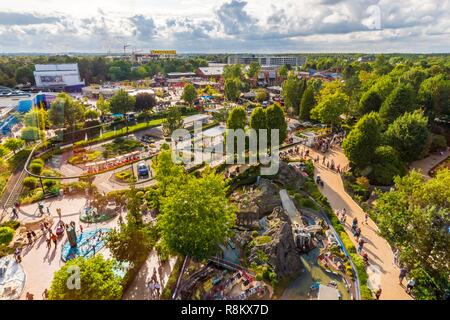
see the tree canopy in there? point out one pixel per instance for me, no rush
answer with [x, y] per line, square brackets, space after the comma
[330, 109]
[237, 118]
[196, 216]
[98, 280]
[121, 102]
[189, 94]
[401, 100]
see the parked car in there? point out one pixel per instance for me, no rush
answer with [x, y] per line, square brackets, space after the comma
[142, 169]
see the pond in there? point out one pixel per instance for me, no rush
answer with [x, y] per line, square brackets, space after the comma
[300, 287]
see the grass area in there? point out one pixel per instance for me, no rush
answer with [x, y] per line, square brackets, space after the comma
[121, 146]
[121, 132]
[124, 176]
[89, 156]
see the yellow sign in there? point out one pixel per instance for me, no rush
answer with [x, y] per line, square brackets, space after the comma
[161, 52]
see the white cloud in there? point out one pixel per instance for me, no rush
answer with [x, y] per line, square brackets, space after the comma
[225, 25]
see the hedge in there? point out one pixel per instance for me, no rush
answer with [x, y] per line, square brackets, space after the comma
[6, 235]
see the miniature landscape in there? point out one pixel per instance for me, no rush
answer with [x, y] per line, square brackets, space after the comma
[99, 170]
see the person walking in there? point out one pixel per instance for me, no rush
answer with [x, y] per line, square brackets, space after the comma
[45, 294]
[378, 293]
[58, 211]
[48, 240]
[54, 239]
[14, 215]
[366, 217]
[402, 275]
[410, 285]
[361, 244]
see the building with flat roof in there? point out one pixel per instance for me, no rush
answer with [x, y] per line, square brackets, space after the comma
[210, 72]
[60, 77]
[267, 60]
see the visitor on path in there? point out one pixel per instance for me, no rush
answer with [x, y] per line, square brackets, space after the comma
[54, 239]
[48, 240]
[17, 256]
[14, 215]
[365, 258]
[357, 233]
[42, 227]
[45, 294]
[58, 211]
[323, 161]
[81, 228]
[396, 253]
[354, 224]
[402, 275]
[366, 218]
[41, 208]
[48, 211]
[410, 285]
[29, 296]
[29, 237]
[378, 293]
[33, 234]
[361, 244]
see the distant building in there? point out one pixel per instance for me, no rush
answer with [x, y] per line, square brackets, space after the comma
[210, 72]
[58, 77]
[267, 60]
[164, 54]
[366, 58]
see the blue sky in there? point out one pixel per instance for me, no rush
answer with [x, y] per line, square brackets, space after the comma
[215, 26]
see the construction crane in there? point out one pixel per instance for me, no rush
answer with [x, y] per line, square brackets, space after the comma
[125, 49]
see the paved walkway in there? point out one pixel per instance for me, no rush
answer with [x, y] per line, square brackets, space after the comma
[40, 263]
[428, 163]
[381, 257]
[139, 290]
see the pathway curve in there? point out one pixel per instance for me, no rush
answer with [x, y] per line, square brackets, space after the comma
[428, 163]
[379, 251]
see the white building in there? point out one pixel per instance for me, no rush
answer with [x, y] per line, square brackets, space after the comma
[267, 60]
[58, 77]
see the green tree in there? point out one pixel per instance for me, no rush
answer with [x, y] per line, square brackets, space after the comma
[31, 134]
[98, 280]
[173, 121]
[14, 144]
[276, 119]
[144, 101]
[232, 89]
[283, 71]
[237, 118]
[360, 144]
[121, 102]
[189, 94]
[414, 217]
[102, 105]
[196, 216]
[292, 93]
[258, 120]
[307, 103]
[434, 95]
[408, 134]
[386, 165]
[400, 100]
[330, 109]
[65, 111]
[261, 95]
[91, 114]
[232, 71]
[253, 72]
[166, 172]
[370, 101]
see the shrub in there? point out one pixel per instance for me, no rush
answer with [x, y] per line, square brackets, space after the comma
[36, 168]
[30, 183]
[48, 183]
[6, 235]
[13, 224]
[363, 182]
[38, 160]
[438, 142]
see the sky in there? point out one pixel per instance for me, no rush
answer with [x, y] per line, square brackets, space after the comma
[225, 26]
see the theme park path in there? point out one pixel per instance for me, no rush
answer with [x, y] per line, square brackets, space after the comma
[139, 289]
[428, 163]
[40, 263]
[382, 271]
